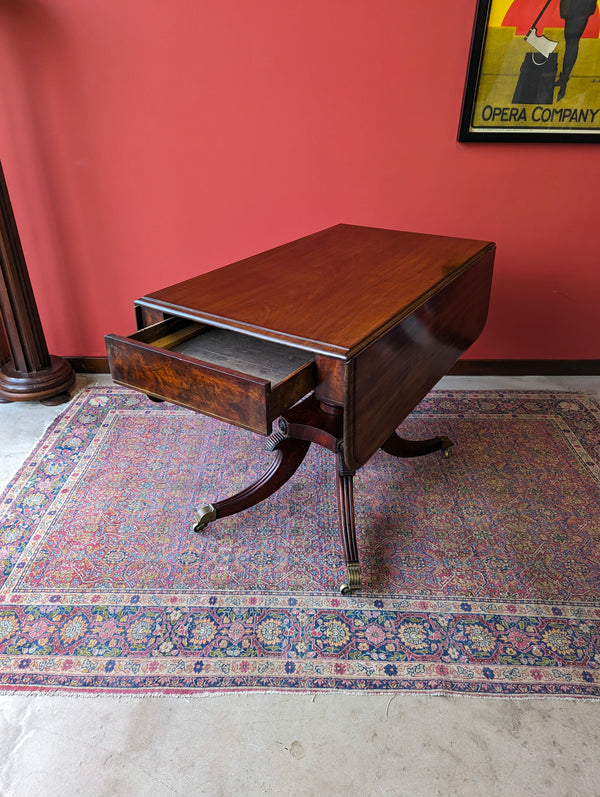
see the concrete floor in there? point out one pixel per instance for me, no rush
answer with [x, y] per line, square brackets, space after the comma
[288, 744]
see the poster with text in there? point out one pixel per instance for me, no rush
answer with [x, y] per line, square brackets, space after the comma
[534, 72]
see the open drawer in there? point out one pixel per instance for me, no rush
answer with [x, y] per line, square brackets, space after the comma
[244, 380]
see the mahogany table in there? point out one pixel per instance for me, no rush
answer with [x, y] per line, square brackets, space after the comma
[337, 336]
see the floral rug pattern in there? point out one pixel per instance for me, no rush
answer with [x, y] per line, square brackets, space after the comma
[481, 572]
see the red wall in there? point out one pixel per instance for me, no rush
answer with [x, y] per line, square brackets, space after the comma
[145, 141]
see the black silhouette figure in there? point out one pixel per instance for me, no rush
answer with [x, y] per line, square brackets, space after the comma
[575, 14]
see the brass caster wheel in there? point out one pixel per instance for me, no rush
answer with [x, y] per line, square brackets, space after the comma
[354, 581]
[446, 446]
[203, 516]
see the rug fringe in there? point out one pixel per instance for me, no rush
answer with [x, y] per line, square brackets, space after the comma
[378, 694]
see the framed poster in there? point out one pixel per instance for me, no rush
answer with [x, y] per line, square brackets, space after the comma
[534, 72]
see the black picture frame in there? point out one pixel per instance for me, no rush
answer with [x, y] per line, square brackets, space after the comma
[504, 77]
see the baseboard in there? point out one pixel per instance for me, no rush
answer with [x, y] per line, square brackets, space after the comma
[89, 365]
[99, 365]
[526, 368]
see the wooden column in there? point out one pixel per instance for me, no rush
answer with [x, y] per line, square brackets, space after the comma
[28, 371]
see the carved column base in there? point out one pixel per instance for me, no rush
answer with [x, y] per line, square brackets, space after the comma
[48, 385]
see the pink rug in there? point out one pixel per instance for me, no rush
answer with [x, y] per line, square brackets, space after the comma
[481, 572]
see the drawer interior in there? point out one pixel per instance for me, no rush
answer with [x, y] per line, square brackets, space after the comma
[253, 356]
[226, 348]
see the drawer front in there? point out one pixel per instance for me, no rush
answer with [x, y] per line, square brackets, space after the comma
[245, 399]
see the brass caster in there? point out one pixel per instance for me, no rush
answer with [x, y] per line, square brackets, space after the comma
[203, 516]
[354, 581]
[446, 446]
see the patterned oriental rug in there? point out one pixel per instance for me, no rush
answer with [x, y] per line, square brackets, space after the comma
[482, 570]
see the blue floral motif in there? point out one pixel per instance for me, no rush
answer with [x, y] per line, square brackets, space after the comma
[290, 667]
[272, 632]
[489, 674]
[390, 669]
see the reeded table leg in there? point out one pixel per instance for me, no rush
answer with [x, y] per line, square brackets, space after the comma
[400, 447]
[288, 457]
[345, 499]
